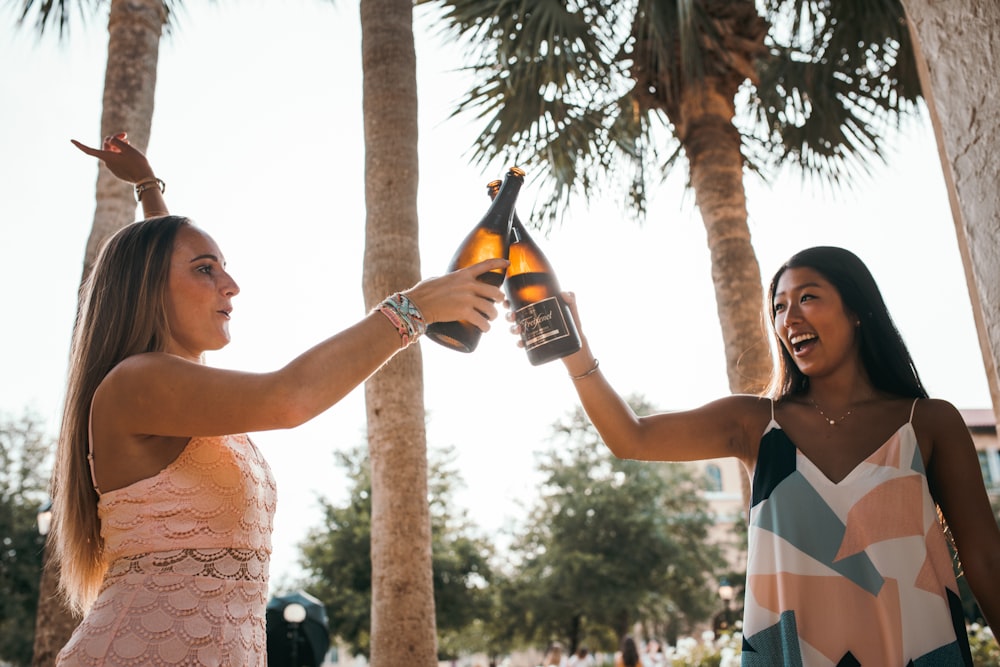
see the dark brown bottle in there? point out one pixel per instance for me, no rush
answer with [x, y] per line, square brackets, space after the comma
[545, 321]
[489, 239]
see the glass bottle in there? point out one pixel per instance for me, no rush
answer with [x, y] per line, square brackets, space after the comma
[545, 321]
[490, 238]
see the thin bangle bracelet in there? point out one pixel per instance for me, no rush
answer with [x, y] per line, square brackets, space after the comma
[593, 370]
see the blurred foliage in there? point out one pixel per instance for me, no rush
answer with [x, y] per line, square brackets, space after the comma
[24, 475]
[337, 559]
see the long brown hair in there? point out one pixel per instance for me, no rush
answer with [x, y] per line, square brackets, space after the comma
[122, 313]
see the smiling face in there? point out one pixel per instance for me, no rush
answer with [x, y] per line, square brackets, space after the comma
[812, 323]
[199, 295]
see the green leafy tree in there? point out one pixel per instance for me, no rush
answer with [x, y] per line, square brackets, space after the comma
[24, 465]
[609, 543]
[336, 558]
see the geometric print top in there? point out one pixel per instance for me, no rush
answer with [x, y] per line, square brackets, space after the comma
[856, 572]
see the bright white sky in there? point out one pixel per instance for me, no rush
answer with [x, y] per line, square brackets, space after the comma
[258, 134]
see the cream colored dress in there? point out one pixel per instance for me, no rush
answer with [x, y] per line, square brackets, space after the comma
[188, 552]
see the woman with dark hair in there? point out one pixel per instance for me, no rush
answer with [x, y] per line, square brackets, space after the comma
[857, 477]
[162, 505]
[628, 656]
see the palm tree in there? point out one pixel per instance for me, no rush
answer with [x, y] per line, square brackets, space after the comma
[402, 618]
[134, 30]
[588, 92]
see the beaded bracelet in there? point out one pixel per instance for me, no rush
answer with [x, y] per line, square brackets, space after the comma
[405, 316]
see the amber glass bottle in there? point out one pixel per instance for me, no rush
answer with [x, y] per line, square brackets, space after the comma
[546, 324]
[489, 239]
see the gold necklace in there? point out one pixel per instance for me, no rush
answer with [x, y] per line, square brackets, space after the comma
[831, 421]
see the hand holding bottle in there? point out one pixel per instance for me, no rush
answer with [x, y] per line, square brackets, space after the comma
[490, 238]
[460, 295]
[543, 319]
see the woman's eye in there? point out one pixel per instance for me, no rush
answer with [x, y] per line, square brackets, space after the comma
[806, 297]
[779, 307]
[205, 269]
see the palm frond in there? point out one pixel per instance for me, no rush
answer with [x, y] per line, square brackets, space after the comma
[839, 75]
[56, 13]
[588, 93]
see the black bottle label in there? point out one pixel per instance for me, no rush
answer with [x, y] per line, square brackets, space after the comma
[541, 322]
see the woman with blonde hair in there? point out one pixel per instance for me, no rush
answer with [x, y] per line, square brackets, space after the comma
[162, 505]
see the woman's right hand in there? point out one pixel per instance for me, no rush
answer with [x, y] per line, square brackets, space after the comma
[121, 158]
[460, 295]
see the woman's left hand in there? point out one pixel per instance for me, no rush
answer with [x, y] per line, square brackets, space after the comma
[124, 160]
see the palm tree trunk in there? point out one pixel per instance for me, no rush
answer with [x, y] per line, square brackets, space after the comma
[134, 29]
[54, 622]
[402, 626]
[712, 144]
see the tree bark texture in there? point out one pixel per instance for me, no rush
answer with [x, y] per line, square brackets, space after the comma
[402, 627]
[134, 30]
[958, 46]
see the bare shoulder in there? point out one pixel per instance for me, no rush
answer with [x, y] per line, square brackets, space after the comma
[937, 416]
[941, 432]
[746, 414]
[137, 382]
[139, 369]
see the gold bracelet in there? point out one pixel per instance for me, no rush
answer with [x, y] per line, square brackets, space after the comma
[597, 362]
[148, 183]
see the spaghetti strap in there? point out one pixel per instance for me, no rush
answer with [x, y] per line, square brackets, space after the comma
[772, 408]
[913, 408]
[90, 449]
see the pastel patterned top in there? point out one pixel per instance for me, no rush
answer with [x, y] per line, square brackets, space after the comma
[188, 552]
[850, 573]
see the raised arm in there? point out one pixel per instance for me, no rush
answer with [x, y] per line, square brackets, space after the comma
[166, 395]
[131, 166]
[729, 426]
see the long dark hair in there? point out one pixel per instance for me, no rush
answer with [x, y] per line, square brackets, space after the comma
[630, 653]
[883, 352]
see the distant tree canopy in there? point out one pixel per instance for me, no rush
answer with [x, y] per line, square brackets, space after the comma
[606, 544]
[609, 543]
[24, 476]
[337, 559]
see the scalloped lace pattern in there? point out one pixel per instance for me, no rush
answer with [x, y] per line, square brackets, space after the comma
[188, 551]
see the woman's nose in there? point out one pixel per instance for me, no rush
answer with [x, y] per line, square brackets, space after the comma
[792, 314]
[231, 288]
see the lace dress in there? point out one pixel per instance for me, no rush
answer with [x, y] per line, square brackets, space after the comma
[188, 552]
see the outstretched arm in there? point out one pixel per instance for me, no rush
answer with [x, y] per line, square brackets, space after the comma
[130, 165]
[161, 394]
[729, 426]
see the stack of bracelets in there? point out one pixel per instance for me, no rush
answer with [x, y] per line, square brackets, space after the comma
[405, 316]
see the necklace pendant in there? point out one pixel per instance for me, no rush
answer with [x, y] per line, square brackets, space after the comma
[833, 422]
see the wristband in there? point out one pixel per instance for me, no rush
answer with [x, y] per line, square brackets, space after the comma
[405, 316]
[146, 184]
[593, 370]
